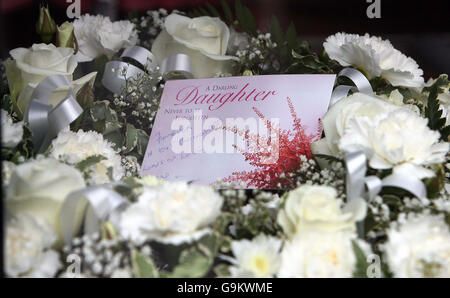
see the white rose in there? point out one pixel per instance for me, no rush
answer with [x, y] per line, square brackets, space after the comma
[203, 39]
[171, 213]
[312, 207]
[12, 133]
[377, 57]
[97, 36]
[419, 247]
[31, 66]
[256, 258]
[27, 245]
[319, 254]
[75, 147]
[401, 141]
[337, 118]
[40, 186]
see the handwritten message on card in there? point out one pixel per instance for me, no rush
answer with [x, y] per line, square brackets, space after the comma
[205, 127]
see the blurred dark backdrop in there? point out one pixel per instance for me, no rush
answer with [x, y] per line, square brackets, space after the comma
[420, 29]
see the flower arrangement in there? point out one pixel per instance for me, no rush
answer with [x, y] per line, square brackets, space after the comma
[307, 225]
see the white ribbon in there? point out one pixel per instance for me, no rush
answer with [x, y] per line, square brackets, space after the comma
[97, 203]
[45, 121]
[117, 72]
[357, 184]
[361, 84]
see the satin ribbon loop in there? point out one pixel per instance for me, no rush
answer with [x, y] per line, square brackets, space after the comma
[411, 184]
[97, 203]
[141, 55]
[361, 85]
[177, 66]
[357, 184]
[45, 121]
[116, 73]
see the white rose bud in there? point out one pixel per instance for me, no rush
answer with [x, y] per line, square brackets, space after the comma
[312, 207]
[30, 66]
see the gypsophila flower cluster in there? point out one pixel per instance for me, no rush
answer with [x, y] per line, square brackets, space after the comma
[130, 165]
[150, 25]
[255, 58]
[139, 99]
[310, 173]
[102, 257]
[384, 210]
[253, 211]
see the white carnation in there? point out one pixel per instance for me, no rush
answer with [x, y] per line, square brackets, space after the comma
[74, 147]
[377, 57]
[97, 36]
[28, 248]
[172, 212]
[256, 258]
[399, 139]
[319, 254]
[12, 133]
[336, 120]
[419, 247]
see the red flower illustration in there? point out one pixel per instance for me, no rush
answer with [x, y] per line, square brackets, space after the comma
[273, 160]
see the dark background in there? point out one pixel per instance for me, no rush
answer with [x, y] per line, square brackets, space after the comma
[420, 29]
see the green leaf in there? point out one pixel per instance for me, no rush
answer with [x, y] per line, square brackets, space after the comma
[143, 266]
[432, 111]
[309, 63]
[108, 231]
[98, 111]
[291, 37]
[222, 270]
[131, 138]
[227, 12]
[203, 11]
[111, 126]
[245, 18]
[89, 161]
[85, 96]
[251, 27]
[361, 262]
[7, 104]
[209, 244]
[213, 11]
[239, 11]
[436, 183]
[192, 264]
[116, 138]
[276, 32]
[142, 142]
[328, 158]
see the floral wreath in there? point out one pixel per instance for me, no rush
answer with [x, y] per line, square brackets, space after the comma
[304, 226]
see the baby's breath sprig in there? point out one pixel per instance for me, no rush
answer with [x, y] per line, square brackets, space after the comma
[139, 100]
[150, 25]
[255, 58]
[98, 256]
